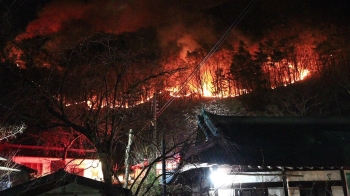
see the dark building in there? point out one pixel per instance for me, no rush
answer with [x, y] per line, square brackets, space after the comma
[64, 183]
[239, 155]
[12, 174]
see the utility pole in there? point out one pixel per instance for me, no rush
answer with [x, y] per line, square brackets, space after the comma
[155, 140]
[127, 165]
[163, 164]
[155, 111]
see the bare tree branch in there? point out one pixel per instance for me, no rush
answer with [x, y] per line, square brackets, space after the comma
[9, 132]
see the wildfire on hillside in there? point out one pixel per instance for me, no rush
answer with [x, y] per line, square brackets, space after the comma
[186, 42]
[213, 79]
[208, 86]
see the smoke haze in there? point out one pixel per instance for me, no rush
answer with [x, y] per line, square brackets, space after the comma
[185, 23]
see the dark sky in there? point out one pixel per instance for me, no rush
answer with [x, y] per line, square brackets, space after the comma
[181, 21]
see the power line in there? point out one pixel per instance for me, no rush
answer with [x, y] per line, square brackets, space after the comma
[206, 58]
[210, 53]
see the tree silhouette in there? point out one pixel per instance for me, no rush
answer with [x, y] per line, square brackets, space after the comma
[91, 86]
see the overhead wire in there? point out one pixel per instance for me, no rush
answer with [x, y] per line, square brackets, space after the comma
[210, 54]
[206, 58]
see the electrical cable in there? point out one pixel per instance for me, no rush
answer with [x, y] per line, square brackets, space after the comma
[206, 58]
[210, 53]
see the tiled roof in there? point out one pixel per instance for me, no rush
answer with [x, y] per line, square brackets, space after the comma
[273, 141]
[58, 179]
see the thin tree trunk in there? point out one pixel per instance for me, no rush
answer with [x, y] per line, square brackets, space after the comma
[107, 167]
[127, 166]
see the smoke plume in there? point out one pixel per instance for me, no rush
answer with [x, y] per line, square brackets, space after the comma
[186, 23]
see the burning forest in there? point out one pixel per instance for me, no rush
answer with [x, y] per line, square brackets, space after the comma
[171, 51]
[84, 65]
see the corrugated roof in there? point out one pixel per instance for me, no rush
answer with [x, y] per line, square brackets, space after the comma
[276, 141]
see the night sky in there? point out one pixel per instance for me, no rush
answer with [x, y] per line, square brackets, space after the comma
[197, 22]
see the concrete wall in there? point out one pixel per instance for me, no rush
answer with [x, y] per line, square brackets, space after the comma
[91, 168]
[222, 181]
